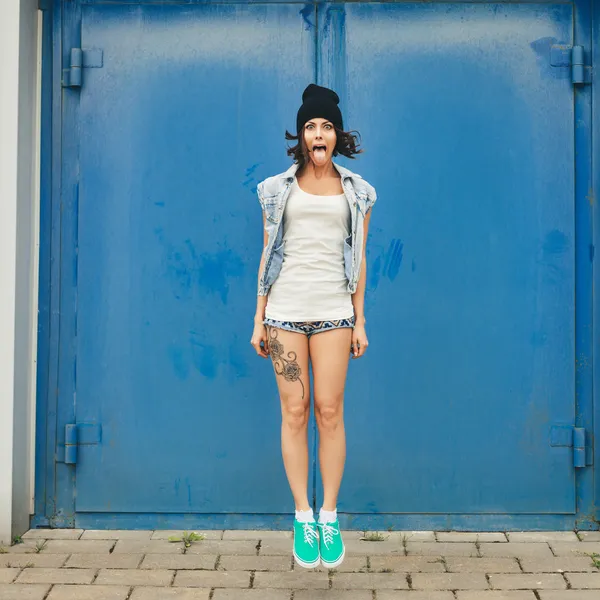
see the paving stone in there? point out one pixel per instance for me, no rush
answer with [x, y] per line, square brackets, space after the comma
[332, 595]
[351, 564]
[470, 536]
[38, 559]
[449, 581]
[558, 564]
[418, 536]
[406, 564]
[148, 547]
[48, 575]
[179, 561]
[498, 595]
[527, 581]
[516, 549]
[26, 547]
[276, 548]
[369, 581]
[117, 534]
[414, 595]
[589, 536]
[574, 548]
[568, 595]
[389, 548]
[457, 564]
[53, 534]
[221, 594]
[78, 546]
[246, 547]
[391, 536]
[152, 593]
[217, 579]
[89, 592]
[8, 575]
[104, 561]
[134, 577]
[255, 563]
[256, 534]
[298, 580]
[16, 591]
[443, 548]
[542, 536]
[165, 534]
[589, 581]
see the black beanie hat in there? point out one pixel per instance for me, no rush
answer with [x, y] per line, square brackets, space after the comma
[320, 102]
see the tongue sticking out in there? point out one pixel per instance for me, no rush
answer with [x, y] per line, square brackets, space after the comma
[319, 156]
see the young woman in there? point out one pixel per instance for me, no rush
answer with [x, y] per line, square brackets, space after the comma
[311, 306]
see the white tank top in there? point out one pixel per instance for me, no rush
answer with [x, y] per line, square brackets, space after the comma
[312, 284]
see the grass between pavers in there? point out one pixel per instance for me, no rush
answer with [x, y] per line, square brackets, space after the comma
[188, 538]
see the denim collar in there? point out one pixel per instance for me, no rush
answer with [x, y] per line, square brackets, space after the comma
[344, 173]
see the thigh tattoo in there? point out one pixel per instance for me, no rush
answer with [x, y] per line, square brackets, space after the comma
[288, 367]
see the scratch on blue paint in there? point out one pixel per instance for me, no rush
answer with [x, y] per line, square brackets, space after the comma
[555, 243]
[307, 12]
[249, 174]
[374, 273]
[180, 364]
[159, 203]
[413, 265]
[393, 259]
[216, 270]
[250, 170]
[204, 358]
[211, 272]
[554, 247]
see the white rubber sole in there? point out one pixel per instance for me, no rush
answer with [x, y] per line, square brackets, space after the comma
[336, 563]
[305, 564]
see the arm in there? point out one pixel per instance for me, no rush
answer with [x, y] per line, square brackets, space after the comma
[359, 335]
[260, 332]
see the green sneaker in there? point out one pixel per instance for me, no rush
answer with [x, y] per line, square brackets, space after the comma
[332, 546]
[306, 544]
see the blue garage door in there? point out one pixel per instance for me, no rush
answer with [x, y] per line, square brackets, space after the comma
[465, 401]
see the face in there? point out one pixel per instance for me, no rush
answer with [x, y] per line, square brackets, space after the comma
[320, 139]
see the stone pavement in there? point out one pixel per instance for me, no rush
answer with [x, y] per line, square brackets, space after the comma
[76, 564]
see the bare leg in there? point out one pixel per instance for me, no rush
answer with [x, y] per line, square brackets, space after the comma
[329, 354]
[289, 353]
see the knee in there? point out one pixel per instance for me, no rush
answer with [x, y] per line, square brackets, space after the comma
[295, 414]
[329, 413]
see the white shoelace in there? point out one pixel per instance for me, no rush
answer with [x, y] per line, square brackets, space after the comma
[328, 533]
[310, 534]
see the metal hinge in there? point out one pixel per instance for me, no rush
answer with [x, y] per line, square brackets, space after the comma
[78, 434]
[81, 59]
[576, 438]
[574, 57]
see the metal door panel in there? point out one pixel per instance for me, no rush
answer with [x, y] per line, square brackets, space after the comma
[177, 128]
[468, 133]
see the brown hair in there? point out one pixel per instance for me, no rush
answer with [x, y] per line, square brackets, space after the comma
[346, 144]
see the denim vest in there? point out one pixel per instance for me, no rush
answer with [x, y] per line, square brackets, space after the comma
[273, 193]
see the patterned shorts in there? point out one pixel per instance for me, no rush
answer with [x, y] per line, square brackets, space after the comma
[309, 328]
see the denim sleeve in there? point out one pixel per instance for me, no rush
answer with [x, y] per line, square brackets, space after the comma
[371, 197]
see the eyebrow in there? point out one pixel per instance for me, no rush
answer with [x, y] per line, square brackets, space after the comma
[325, 123]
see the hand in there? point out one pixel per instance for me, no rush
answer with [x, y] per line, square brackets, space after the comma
[359, 341]
[259, 336]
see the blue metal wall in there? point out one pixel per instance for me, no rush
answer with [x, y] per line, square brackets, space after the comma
[154, 411]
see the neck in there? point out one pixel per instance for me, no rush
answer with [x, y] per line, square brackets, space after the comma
[319, 171]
